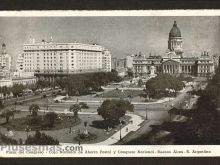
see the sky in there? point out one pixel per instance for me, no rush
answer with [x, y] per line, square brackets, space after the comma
[121, 35]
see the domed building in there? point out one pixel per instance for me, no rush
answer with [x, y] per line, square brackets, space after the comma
[175, 40]
[173, 61]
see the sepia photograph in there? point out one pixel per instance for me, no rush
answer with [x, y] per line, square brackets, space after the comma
[113, 80]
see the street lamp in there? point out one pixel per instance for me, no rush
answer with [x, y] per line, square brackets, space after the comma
[78, 132]
[146, 113]
[120, 130]
[47, 104]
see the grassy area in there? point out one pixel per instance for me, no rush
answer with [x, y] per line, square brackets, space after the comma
[119, 94]
[64, 135]
[20, 123]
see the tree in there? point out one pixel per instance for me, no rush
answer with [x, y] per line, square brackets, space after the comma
[204, 126]
[33, 87]
[82, 84]
[1, 104]
[75, 108]
[5, 90]
[41, 139]
[43, 84]
[140, 82]
[130, 73]
[50, 118]
[83, 105]
[7, 140]
[156, 87]
[33, 109]
[16, 89]
[112, 110]
[7, 114]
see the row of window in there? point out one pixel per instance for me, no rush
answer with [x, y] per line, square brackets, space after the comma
[62, 46]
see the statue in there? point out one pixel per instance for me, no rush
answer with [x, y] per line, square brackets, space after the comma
[152, 71]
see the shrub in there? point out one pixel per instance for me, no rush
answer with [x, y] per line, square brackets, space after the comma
[50, 118]
[83, 105]
[41, 139]
[8, 140]
[33, 120]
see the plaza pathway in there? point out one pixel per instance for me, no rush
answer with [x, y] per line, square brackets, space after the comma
[101, 100]
[133, 125]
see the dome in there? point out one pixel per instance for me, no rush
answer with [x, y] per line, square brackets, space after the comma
[175, 31]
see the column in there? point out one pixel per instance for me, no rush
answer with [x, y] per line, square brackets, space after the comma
[144, 68]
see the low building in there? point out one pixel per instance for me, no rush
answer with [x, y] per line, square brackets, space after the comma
[24, 78]
[6, 82]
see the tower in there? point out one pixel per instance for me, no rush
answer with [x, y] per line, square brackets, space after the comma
[175, 40]
[3, 48]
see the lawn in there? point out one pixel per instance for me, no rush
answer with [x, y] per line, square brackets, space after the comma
[65, 135]
[20, 123]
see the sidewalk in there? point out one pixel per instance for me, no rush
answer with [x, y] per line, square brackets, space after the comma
[139, 103]
[132, 126]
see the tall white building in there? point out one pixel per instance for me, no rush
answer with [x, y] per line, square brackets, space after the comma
[51, 57]
[129, 61]
[5, 62]
[106, 61]
[20, 63]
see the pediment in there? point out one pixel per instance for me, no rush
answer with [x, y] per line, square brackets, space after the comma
[171, 61]
[171, 55]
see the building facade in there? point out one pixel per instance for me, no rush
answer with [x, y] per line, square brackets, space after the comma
[20, 63]
[5, 62]
[51, 57]
[24, 80]
[173, 61]
[120, 65]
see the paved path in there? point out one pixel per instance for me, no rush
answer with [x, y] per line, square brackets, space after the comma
[123, 88]
[132, 126]
[100, 101]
